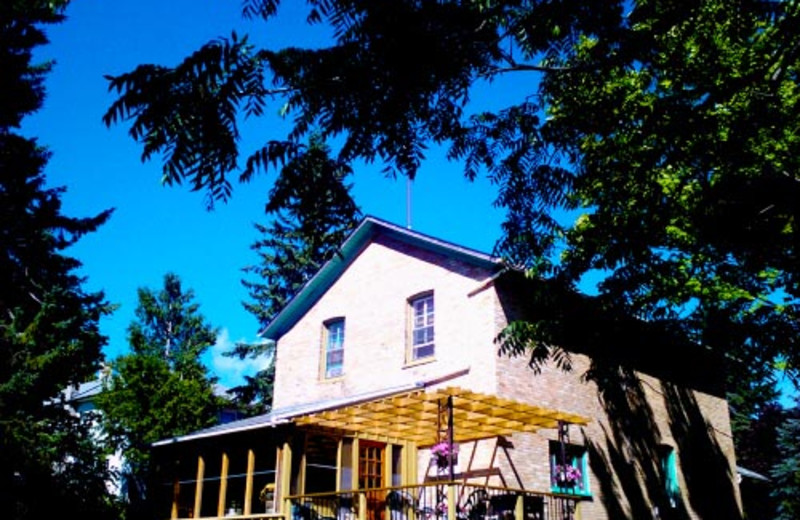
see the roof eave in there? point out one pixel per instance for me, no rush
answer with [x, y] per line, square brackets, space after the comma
[349, 250]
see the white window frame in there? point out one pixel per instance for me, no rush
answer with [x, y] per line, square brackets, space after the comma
[333, 336]
[421, 322]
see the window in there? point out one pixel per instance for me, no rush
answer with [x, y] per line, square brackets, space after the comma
[421, 329]
[333, 360]
[569, 469]
[669, 472]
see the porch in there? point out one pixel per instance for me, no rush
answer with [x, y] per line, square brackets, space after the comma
[371, 460]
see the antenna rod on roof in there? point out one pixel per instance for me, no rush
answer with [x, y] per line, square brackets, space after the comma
[408, 202]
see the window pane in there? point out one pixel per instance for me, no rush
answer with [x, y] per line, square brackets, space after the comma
[335, 357]
[422, 352]
[334, 348]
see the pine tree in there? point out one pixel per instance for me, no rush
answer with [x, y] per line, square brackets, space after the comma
[161, 389]
[786, 474]
[312, 212]
[49, 325]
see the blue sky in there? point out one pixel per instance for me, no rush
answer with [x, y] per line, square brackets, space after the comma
[157, 229]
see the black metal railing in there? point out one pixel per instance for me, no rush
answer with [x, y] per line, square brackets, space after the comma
[431, 502]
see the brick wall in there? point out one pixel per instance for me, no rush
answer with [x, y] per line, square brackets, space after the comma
[372, 296]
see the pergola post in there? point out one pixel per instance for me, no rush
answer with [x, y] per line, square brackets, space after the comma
[450, 438]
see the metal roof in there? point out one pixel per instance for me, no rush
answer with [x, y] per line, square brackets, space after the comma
[286, 414]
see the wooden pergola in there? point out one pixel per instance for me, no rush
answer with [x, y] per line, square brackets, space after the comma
[421, 416]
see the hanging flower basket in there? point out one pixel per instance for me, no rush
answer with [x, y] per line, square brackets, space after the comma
[440, 453]
[567, 476]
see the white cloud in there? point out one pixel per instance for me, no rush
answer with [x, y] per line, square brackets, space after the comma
[231, 370]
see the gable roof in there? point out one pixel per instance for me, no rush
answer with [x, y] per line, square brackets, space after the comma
[356, 242]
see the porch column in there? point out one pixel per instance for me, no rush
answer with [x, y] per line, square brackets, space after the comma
[519, 507]
[223, 485]
[362, 505]
[198, 487]
[451, 500]
[176, 491]
[248, 484]
[285, 477]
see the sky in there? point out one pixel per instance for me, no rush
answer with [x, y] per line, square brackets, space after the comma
[157, 229]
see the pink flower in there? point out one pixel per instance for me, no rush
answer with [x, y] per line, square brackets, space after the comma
[567, 474]
[442, 449]
[440, 452]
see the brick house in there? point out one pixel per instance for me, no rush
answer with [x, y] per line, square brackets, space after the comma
[390, 350]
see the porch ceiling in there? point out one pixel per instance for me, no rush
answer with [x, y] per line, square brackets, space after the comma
[414, 416]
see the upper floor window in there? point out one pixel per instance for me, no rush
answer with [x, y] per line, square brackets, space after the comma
[421, 326]
[569, 469]
[333, 341]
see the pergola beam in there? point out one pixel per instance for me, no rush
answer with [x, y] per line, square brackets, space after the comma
[413, 416]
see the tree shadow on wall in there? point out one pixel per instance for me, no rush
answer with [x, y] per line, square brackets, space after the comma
[633, 446]
[543, 314]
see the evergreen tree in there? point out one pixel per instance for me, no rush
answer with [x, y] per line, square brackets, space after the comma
[786, 474]
[161, 389]
[312, 213]
[50, 465]
[754, 424]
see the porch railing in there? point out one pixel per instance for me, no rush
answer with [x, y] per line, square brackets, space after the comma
[431, 502]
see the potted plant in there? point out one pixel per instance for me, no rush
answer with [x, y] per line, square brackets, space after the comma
[440, 453]
[567, 476]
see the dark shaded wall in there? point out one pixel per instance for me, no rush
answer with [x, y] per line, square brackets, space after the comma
[645, 393]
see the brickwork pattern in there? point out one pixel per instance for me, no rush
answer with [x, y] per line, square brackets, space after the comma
[372, 296]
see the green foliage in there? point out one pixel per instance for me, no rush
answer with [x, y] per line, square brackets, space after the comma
[755, 418]
[49, 326]
[169, 326]
[667, 131]
[312, 214]
[161, 389]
